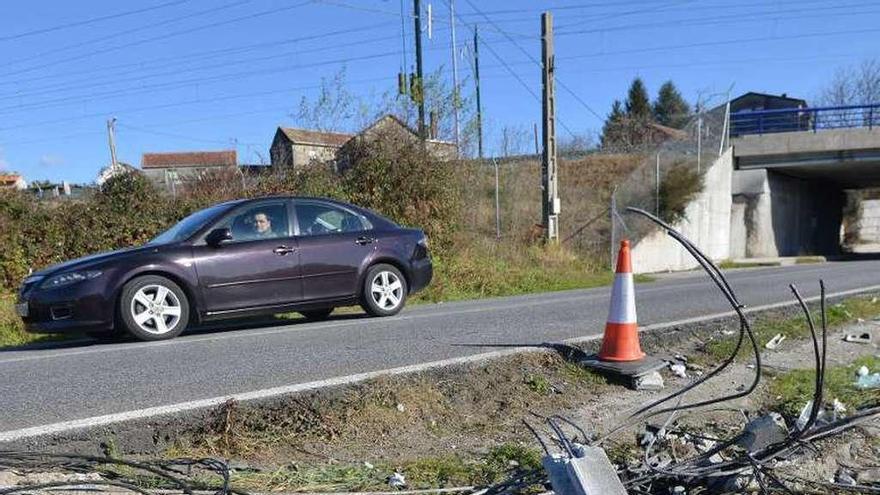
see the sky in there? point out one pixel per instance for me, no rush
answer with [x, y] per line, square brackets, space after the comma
[182, 75]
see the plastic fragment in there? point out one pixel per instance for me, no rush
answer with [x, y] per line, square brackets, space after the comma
[397, 480]
[775, 341]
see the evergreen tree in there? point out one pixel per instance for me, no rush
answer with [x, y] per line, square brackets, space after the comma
[638, 104]
[614, 129]
[670, 109]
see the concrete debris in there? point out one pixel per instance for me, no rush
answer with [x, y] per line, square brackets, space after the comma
[837, 410]
[762, 432]
[868, 382]
[843, 477]
[397, 480]
[858, 338]
[590, 474]
[651, 381]
[775, 341]
[400, 407]
[678, 370]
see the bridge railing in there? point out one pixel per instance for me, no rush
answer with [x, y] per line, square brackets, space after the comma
[804, 119]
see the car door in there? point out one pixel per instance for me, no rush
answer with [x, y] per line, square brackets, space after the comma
[258, 267]
[334, 243]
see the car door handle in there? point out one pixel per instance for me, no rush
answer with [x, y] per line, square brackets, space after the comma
[283, 250]
[363, 240]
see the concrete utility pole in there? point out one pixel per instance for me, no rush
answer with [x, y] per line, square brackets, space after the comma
[479, 104]
[420, 88]
[550, 196]
[111, 135]
[455, 96]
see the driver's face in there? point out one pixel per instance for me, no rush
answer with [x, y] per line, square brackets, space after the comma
[262, 223]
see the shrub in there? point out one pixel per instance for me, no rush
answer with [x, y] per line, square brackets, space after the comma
[681, 184]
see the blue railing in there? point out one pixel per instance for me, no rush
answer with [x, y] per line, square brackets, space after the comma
[804, 119]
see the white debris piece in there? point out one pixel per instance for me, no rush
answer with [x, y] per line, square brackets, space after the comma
[678, 370]
[651, 381]
[775, 341]
[863, 371]
[397, 480]
[368, 465]
[400, 407]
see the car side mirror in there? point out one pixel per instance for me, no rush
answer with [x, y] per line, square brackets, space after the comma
[218, 236]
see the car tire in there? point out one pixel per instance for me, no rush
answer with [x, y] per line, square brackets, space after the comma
[384, 290]
[316, 314]
[147, 319]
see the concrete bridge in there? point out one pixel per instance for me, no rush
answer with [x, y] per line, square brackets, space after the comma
[790, 170]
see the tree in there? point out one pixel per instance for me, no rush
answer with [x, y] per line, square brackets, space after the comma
[638, 105]
[613, 132]
[333, 109]
[514, 140]
[853, 85]
[670, 109]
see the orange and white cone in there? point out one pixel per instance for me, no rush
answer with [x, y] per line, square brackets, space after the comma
[621, 340]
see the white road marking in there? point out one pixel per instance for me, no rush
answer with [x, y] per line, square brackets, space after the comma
[66, 426]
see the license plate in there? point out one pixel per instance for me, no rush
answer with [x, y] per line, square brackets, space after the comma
[22, 309]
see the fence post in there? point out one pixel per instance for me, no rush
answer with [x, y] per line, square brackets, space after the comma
[611, 211]
[657, 188]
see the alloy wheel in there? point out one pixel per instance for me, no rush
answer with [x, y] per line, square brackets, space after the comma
[386, 290]
[156, 309]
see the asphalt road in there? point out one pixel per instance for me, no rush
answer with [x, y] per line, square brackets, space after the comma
[66, 382]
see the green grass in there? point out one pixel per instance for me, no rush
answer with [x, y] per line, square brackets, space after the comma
[792, 390]
[796, 327]
[728, 264]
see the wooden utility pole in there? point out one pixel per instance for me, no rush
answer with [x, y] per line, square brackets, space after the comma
[550, 196]
[455, 96]
[111, 136]
[479, 104]
[419, 86]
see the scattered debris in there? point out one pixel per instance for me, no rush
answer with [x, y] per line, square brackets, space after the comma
[397, 480]
[368, 465]
[844, 477]
[858, 338]
[678, 370]
[762, 432]
[400, 407]
[651, 381]
[868, 382]
[775, 341]
[863, 371]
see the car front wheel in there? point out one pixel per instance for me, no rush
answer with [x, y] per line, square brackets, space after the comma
[153, 308]
[384, 292]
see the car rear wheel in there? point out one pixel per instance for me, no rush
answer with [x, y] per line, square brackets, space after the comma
[384, 292]
[153, 308]
[316, 314]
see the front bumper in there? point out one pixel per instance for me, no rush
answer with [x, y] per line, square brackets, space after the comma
[76, 309]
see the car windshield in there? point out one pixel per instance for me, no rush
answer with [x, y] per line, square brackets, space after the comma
[189, 225]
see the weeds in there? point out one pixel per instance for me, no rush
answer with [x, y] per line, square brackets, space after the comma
[792, 390]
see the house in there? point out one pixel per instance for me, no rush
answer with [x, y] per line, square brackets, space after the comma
[172, 169]
[12, 181]
[742, 121]
[298, 147]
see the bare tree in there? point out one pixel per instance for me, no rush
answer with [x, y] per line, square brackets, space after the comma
[515, 140]
[853, 85]
[333, 109]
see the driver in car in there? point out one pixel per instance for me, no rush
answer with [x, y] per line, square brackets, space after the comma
[262, 226]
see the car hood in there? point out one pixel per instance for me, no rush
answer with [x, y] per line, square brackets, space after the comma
[93, 259]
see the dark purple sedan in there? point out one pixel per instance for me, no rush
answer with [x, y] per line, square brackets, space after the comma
[234, 259]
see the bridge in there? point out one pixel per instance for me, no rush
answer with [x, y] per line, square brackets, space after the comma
[791, 168]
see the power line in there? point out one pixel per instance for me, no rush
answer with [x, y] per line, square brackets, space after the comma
[126, 32]
[170, 35]
[86, 22]
[538, 63]
[185, 138]
[115, 79]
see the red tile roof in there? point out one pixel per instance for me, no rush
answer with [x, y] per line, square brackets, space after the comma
[190, 159]
[9, 177]
[306, 136]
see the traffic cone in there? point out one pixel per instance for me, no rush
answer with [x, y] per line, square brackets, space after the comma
[621, 340]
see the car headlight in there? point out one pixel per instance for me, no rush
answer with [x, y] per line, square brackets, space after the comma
[65, 279]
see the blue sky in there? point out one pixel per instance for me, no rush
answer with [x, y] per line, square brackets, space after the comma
[219, 74]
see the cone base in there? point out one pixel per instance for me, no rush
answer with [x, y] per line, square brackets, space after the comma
[621, 343]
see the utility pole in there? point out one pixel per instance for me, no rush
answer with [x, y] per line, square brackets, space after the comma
[420, 88]
[455, 96]
[479, 104]
[550, 196]
[111, 136]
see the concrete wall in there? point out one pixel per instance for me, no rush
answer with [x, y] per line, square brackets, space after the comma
[707, 224]
[785, 143]
[785, 216]
[869, 223]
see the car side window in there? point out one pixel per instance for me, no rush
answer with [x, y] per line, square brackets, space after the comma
[262, 221]
[318, 219]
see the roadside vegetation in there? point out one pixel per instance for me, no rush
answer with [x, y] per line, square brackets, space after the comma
[454, 202]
